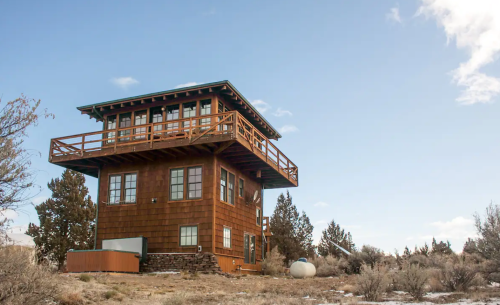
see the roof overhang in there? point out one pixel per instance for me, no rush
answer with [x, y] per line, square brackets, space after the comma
[223, 88]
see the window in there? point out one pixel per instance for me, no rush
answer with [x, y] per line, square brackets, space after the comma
[194, 182]
[130, 187]
[115, 189]
[188, 111]
[177, 184]
[241, 186]
[189, 236]
[111, 125]
[173, 114]
[140, 119]
[125, 121]
[257, 212]
[230, 189]
[227, 237]
[249, 249]
[205, 109]
[223, 185]
[157, 117]
[119, 192]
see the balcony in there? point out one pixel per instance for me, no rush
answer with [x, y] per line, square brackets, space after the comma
[227, 134]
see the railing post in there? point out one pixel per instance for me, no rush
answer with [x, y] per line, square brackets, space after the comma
[83, 146]
[288, 168]
[278, 158]
[151, 134]
[267, 150]
[116, 138]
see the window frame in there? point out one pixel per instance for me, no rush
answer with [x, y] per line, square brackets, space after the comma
[226, 201]
[122, 188]
[197, 235]
[231, 196]
[188, 183]
[183, 183]
[258, 217]
[248, 247]
[230, 237]
[241, 187]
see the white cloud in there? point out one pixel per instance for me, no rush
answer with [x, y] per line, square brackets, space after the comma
[457, 228]
[124, 82]
[282, 112]
[475, 26]
[189, 84]
[261, 106]
[393, 15]
[288, 128]
[16, 233]
[321, 204]
[8, 213]
[39, 199]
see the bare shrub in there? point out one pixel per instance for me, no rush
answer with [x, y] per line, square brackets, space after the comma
[372, 282]
[420, 260]
[413, 279]
[371, 255]
[110, 294]
[434, 282]
[458, 275]
[273, 264]
[22, 281]
[73, 298]
[330, 266]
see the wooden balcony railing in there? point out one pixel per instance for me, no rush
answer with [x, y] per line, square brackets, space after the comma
[191, 129]
[265, 226]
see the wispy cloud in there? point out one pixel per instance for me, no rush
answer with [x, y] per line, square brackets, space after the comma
[39, 199]
[457, 228]
[282, 112]
[475, 27]
[189, 84]
[261, 106]
[124, 82]
[393, 15]
[8, 213]
[321, 204]
[288, 129]
[16, 233]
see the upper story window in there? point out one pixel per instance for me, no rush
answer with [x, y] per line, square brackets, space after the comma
[130, 187]
[111, 124]
[140, 119]
[230, 189]
[125, 121]
[258, 216]
[223, 185]
[177, 184]
[118, 190]
[194, 182]
[172, 114]
[188, 111]
[241, 189]
[205, 109]
[157, 117]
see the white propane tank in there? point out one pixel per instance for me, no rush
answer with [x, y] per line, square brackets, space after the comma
[301, 269]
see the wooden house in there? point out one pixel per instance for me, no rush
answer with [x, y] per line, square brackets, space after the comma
[185, 168]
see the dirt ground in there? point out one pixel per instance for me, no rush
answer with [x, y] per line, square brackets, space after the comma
[179, 289]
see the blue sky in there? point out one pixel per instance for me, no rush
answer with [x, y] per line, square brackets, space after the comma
[390, 109]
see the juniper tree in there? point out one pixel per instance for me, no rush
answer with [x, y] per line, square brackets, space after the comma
[442, 247]
[66, 219]
[332, 235]
[292, 232]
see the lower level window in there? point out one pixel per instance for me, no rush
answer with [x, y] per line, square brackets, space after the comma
[227, 237]
[249, 248]
[189, 236]
[120, 192]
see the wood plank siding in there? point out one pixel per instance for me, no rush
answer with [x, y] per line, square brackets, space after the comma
[145, 137]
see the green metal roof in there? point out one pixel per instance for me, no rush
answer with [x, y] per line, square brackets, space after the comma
[224, 82]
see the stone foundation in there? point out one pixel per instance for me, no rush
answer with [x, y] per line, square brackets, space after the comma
[201, 262]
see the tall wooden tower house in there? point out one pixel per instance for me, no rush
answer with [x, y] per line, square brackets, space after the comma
[185, 168]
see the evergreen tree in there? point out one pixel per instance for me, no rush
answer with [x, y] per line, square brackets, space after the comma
[424, 250]
[66, 219]
[292, 232]
[441, 247]
[335, 235]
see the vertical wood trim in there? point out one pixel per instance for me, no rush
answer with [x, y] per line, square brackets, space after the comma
[214, 195]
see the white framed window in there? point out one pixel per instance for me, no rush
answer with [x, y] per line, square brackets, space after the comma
[177, 184]
[227, 237]
[188, 236]
[258, 216]
[130, 187]
[115, 189]
[194, 182]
